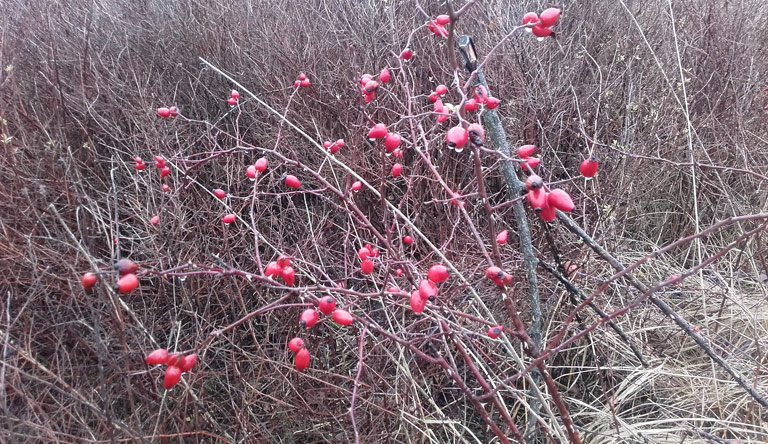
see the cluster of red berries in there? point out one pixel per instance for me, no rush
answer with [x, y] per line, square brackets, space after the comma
[301, 354]
[525, 152]
[437, 26]
[546, 202]
[127, 282]
[281, 267]
[308, 319]
[177, 364]
[366, 254]
[428, 287]
[168, 112]
[391, 143]
[302, 81]
[140, 165]
[498, 276]
[541, 25]
[333, 147]
[368, 86]
[257, 168]
[234, 97]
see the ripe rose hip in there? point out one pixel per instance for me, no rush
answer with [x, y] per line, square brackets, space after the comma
[549, 16]
[366, 267]
[417, 302]
[187, 362]
[284, 261]
[342, 317]
[470, 105]
[379, 131]
[261, 164]
[494, 273]
[396, 170]
[588, 167]
[407, 240]
[327, 305]
[157, 357]
[234, 94]
[251, 172]
[549, 213]
[172, 376]
[232, 101]
[289, 275]
[397, 153]
[530, 162]
[357, 186]
[163, 112]
[436, 29]
[221, 194]
[296, 344]
[308, 318]
[302, 76]
[155, 220]
[492, 103]
[125, 266]
[529, 19]
[495, 332]
[560, 199]
[399, 272]
[443, 19]
[427, 289]
[305, 83]
[501, 238]
[457, 137]
[292, 181]
[541, 31]
[537, 198]
[165, 171]
[89, 280]
[439, 273]
[406, 54]
[392, 141]
[534, 182]
[526, 151]
[229, 218]
[301, 360]
[384, 75]
[141, 166]
[364, 253]
[441, 90]
[273, 269]
[127, 283]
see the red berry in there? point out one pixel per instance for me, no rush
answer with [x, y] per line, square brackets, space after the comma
[439, 273]
[187, 362]
[371, 86]
[125, 266]
[301, 360]
[141, 166]
[163, 112]
[507, 279]
[296, 344]
[166, 188]
[302, 76]
[379, 131]
[443, 20]
[407, 240]
[342, 317]
[495, 332]
[221, 194]
[427, 289]
[365, 79]
[174, 111]
[340, 143]
[273, 269]
[297, 83]
[534, 182]
[549, 16]
[366, 266]
[229, 218]
[235, 94]
[437, 29]
[251, 172]
[232, 101]
[494, 273]
[127, 283]
[384, 75]
[364, 253]
[526, 151]
[457, 137]
[549, 213]
[530, 18]
[560, 200]
[406, 54]
[492, 103]
[470, 105]
[284, 261]
[89, 280]
[292, 181]
[399, 272]
[305, 83]
[357, 186]
[289, 275]
[157, 357]
[397, 153]
[588, 167]
[501, 238]
[261, 164]
[417, 302]
[155, 220]
[165, 171]
[530, 162]
[327, 305]
[308, 318]
[441, 90]
[541, 31]
[537, 198]
[396, 170]
[172, 376]
[392, 141]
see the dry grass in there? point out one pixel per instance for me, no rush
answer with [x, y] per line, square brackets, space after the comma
[80, 83]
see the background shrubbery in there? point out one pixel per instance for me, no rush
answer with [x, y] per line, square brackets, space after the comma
[79, 86]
